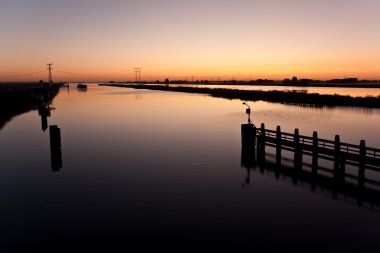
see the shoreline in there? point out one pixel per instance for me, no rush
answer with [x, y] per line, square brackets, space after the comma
[284, 97]
[27, 87]
[316, 85]
[19, 101]
[356, 85]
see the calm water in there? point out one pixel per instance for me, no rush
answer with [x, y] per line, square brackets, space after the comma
[147, 169]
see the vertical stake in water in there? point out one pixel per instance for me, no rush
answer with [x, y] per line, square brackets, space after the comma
[362, 162]
[278, 146]
[336, 156]
[248, 140]
[262, 140]
[297, 150]
[315, 152]
[55, 148]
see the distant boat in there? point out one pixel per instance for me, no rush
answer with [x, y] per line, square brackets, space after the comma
[82, 86]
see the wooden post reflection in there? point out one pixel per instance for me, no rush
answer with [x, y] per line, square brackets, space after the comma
[55, 148]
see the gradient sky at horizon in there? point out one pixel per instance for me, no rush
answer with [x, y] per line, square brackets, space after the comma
[242, 39]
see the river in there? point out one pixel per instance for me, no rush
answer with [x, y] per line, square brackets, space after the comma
[148, 169]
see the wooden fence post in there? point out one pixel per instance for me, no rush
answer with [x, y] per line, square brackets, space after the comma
[315, 151]
[278, 145]
[362, 162]
[297, 150]
[262, 141]
[336, 156]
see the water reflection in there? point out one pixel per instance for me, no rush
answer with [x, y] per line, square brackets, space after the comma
[355, 189]
[174, 177]
[44, 111]
[55, 148]
[16, 103]
[248, 162]
[248, 156]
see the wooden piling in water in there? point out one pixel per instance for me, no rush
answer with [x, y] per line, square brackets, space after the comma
[297, 150]
[362, 161]
[296, 139]
[248, 141]
[261, 145]
[248, 136]
[315, 152]
[278, 145]
[262, 139]
[55, 148]
[338, 152]
[336, 156]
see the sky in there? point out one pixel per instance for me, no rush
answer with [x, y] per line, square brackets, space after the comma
[96, 40]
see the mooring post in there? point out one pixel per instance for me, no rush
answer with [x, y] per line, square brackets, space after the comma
[278, 145]
[296, 138]
[262, 139]
[278, 137]
[248, 136]
[361, 176]
[315, 152]
[248, 141]
[297, 150]
[336, 156]
[362, 161]
[261, 145]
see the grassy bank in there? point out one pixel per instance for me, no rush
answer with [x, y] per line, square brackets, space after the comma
[285, 97]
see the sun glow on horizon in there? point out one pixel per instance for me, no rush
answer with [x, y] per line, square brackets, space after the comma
[103, 41]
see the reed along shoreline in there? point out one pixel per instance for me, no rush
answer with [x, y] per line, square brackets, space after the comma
[285, 97]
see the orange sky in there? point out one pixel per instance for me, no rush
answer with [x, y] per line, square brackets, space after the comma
[242, 39]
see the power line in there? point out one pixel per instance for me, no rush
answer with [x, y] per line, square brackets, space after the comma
[50, 77]
[24, 74]
[69, 72]
[124, 74]
[90, 74]
[137, 74]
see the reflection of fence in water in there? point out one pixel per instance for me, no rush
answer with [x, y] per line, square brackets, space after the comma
[339, 180]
